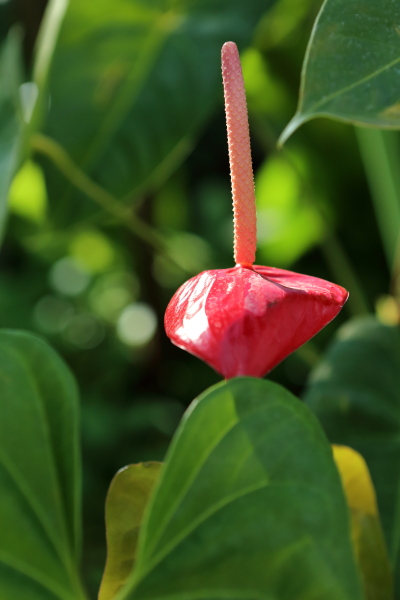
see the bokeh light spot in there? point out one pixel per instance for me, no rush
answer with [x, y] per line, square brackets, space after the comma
[112, 293]
[28, 196]
[84, 331]
[93, 250]
[68, 277]
[51, 314]
[388, 310]
[137, 324]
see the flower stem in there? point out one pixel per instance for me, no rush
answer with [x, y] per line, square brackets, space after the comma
[380, 154]
[242, 180]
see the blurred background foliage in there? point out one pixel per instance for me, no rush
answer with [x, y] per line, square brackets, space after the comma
[114, 164]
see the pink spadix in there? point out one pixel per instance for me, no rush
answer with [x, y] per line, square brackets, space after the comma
[245, 320]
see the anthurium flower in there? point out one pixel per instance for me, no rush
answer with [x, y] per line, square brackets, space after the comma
[245, 320]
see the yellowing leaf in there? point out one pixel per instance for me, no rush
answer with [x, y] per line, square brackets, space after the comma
[127, 499]
[368, 541]
[354, 392]
[356, 480]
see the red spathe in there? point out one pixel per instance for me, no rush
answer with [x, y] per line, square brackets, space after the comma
[245, 320]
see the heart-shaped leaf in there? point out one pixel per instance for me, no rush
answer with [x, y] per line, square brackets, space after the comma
[132, 82]
[367, 534]
[127, 499]
[355, 394]
[39, 473]
[249, 505]
[350, 70]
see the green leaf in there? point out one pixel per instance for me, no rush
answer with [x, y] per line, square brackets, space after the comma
[366, 528]
[132, 82]
[355, 394]
[350, 70]
[44, 52]
[39, 473]
[11, 123]
[248, 506]
[127, 499]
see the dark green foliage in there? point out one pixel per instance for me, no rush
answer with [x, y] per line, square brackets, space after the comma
[355, 394]
[131, 86]
[40, 478]
[128, 90]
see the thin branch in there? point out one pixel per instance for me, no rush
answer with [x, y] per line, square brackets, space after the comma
[61, 159]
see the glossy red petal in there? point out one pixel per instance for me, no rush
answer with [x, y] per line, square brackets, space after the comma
[244, 321]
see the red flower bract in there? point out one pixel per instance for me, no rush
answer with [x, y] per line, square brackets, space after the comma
[245, 320]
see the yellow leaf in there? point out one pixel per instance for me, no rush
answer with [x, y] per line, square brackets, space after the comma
[127, 498]
[368, 542]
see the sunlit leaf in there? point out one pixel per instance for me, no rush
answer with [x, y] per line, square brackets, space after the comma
[127, 499]
[132, 82]
[289, 223]
[350, 71]
[28, 197]
[367, 534]
[249, 505]
[283, 21]
[264, 92]
[92, 250]
[39, 473]
[355, 394]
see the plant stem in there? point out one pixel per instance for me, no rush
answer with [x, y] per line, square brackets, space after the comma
[380, 153]
[50, 148]
[45, 43]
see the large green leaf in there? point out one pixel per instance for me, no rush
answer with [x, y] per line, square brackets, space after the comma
[249, 505]
[350, 71]
[39, 473]
[127, 498]
[355, 392]
[11, 122]
[131, 83]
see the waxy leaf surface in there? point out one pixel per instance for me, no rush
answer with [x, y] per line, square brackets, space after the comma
[355, 394]
[249, 505]
[351, 68]
[244, 321]
[39, 473]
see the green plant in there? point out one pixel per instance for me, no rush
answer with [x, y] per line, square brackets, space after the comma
[251, 501]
